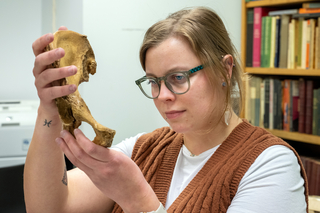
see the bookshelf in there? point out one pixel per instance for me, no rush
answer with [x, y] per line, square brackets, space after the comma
[262, 72]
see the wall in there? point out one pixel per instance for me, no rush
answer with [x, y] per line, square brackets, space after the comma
[115, 30]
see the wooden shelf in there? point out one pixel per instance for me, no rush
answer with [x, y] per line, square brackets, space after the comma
[279, 71]
[267, 3]
[295, 136]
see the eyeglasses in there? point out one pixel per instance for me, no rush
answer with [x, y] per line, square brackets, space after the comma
[176, 82]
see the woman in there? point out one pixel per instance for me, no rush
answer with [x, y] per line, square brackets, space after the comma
[209, 160]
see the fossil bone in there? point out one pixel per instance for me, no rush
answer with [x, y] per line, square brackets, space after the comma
[72, 109]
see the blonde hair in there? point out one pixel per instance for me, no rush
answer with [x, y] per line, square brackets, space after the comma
[210, 41]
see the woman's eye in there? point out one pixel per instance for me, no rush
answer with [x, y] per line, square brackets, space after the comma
[177, 78]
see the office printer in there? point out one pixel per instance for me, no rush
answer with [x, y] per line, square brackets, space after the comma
[17, 121]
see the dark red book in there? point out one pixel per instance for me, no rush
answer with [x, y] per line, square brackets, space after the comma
[302, 106]
[309, 106]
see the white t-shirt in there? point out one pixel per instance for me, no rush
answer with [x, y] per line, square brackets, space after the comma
[272, 184]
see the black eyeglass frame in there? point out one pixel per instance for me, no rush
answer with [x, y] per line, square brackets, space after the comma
[164, 78]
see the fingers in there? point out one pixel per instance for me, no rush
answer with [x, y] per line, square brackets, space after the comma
[78, 154]
[63, 28]
[50, 75]
[64, 147]
[95, 151]
[39, 44]
[44, 59]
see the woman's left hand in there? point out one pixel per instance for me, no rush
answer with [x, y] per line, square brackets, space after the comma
[115, 174]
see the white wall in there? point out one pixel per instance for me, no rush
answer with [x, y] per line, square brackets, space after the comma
[115, 30]
[20, 25]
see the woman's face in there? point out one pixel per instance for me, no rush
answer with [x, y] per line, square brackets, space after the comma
[192, 111]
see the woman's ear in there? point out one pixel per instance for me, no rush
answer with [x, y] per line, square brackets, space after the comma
[228, 62]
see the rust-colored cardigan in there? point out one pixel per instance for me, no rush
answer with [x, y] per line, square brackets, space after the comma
[214, 187]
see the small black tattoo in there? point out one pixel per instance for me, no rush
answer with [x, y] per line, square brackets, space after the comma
[65, 177]
[46, 123]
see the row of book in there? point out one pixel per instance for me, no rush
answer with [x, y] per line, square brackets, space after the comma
[283, 38]
[312, 168]
[284, 104]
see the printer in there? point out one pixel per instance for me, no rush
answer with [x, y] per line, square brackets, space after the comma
[17, 121]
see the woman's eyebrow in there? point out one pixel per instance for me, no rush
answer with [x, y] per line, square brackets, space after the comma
[175, 69]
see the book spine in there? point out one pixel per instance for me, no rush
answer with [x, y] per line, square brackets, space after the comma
[262, 103]
[273, 41]
[268, 40]
[277, 43]
[304, 44]
[271, 103]
[295, 102]
[302, 105]
[284, 41]
[309, 106]
[263, 42]
[257, 12]
[309, 10]
[299, 48]
[308, 43]
[266, 103]
[286, 104]
[311, 5]
[315, 114]
[249, 42]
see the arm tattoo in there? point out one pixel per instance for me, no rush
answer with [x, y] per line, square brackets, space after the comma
[65, 177]
[46, 123]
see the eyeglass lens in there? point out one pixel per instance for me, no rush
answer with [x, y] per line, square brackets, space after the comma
[176, 82]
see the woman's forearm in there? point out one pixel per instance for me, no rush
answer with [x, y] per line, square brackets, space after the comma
[45, 180]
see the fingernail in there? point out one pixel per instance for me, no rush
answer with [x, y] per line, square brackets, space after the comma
[48, 37]
[72, 70]
[76, 131]
[58, 141]
[72, 88]
[62, 133]
[58, 52]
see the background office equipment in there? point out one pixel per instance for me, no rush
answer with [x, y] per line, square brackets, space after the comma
[17, 119]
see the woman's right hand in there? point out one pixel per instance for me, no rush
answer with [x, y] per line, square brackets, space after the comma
[44, 76]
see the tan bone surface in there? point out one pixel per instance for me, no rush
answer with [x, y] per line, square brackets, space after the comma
[72, 109]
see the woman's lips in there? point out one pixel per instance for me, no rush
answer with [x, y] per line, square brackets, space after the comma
[174, 114]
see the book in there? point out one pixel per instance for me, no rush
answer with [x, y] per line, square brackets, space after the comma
[283, 12]
[277, 41]
[308, 42]
[272, 41]
[309, 10]
[266, 41]
[306, 15]
[302, 105]
[304, 44]
[311, 5]
[286, 104]
[294, 117]
[271, 100]
[263, 41]
[284, 41]
[277, 99]
[312, 43]
[257, 107]
[309, 106]
[262, 103]
[258, 13]
[266, 102]
[317, 46]
[291, 45]
[249, 41]
[299, 47]
[296, 42]
[315, 119]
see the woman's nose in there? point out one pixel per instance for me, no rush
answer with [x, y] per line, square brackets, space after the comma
[165, 94]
